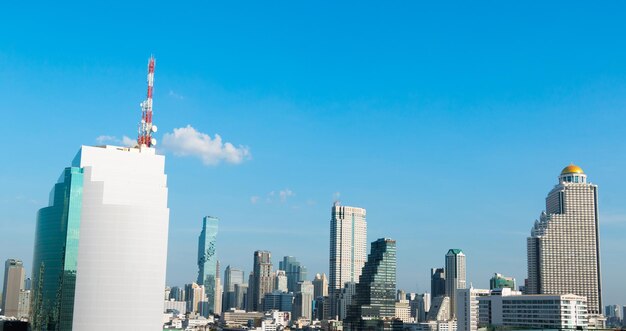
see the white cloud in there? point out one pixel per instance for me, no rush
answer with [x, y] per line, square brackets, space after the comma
[188, 141]
[125, 141]
[254, 199]
[175, 95]
[284, 194]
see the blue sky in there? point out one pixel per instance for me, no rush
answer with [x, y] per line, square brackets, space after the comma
[448, 122]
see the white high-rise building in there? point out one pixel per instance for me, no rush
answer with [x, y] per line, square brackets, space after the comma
[455, 276]
[348, 249]
[563, 248]
[102, 243]
[467, 308]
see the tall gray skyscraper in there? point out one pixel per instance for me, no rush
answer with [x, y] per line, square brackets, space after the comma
[232, 277]
[437, 282]
[294, 270]
[348, 249]
[563, 247]
[207, 260]
[262, 279]
[374, 302]
[455, 276]
[303, 301]
[13, 283]
[320, 285]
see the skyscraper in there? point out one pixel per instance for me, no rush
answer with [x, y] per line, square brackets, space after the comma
[348, 240]
[104, 232]
[294, 270]
[320, 285]
[232, 277]
[437, 282]
[280, 281]
[563, 247]
[13, 283]
[375, 298]
[262, 279]
[207, 259]
[303, 301]
[455, 276]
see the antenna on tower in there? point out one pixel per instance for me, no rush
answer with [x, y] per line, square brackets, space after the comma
[146, 128]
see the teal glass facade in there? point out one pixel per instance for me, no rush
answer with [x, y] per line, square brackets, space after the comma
[207, 260]
[55, 255]
[374, 302]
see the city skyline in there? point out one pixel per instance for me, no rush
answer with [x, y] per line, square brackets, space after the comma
[427, 136]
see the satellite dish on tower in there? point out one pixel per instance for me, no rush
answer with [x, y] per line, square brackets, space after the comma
[154, 128]
[153, 142]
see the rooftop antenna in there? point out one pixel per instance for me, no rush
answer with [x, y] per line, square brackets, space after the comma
[146, 128]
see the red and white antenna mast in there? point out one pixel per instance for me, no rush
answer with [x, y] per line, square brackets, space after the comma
[146, 128]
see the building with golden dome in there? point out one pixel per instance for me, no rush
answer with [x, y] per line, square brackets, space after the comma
[563, 248]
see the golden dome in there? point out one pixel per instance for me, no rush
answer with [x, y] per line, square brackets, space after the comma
[572, 169]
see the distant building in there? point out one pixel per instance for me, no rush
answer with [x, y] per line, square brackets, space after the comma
[563, 247]
[348, 250]
[278, 300]
[500, 281]
[23, 306]
[194, 295]
[241, 291]
[294, 271]
[173, 305]
[177, 293]
[439, 309]
[13, 283]
[455, 276]
[232, 276]
[511, 309]
[303, 301]
[320, 285]
[420, 306]
[437, 282]
[374, 303]
[280, 281]
[262, 279]
[467, 308]
[207, 259]
[234, 318]
[403, 311]
[346, 297]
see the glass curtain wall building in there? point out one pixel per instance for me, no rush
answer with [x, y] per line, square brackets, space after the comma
[101, 244]
[373, 305]
[207, 260]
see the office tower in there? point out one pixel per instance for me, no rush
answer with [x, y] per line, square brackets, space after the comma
[262, 279]
[403, 311]
[279, 300]
[455, 276]
[437, 282]
[294, 270]
[217, 300]
[241, 291]
[13, 283]
[320, 285]
[232, 276]
[166, 297]
[500, 281]
[420, 307]
[376, 290]
[103, 237]
[563, 248]
[23, 305]
[207, 259]
[280, 281]
[467, 308]
[177, 293]
[195, 295]
[345, 299]
[303, 301]
[348, 240]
